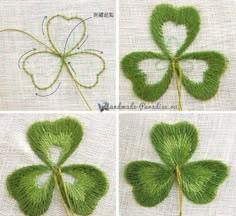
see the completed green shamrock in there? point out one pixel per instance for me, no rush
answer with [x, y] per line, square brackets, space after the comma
[80, 196]
[175, 145]
[203, 90]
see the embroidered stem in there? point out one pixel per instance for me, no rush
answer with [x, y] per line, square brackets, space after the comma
[65, 190]
[178, 176]
[178, 72]
[29, 35]
[81, 94]
[179, 77]
[57, 185]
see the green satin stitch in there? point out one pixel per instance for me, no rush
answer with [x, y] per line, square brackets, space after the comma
[217, 63]
[78, 197]
[175, 145]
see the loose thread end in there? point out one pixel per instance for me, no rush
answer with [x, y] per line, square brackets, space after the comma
[178, 72]
[57, 172]
[178, 176]
[83, 97]
[57, 185]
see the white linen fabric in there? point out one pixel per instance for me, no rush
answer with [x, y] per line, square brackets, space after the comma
[96, 148]
[217, 32]
[217, 137]
[16, 89]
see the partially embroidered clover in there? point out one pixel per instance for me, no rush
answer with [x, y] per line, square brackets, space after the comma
[80, 196]
[175, 144]
[203, 90]
[62, 51]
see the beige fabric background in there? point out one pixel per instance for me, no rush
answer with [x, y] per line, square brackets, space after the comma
[217, 33]
[217, 135]
[16, 89]
[97, 147]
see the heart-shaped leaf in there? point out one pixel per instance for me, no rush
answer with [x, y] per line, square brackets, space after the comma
[44, 68]
[151, 182]
[211, 80]
[175, 143]
[65, 33]
[131, 69]
[200, 180]
[86, 67]
[187, 16]
[89, 187]
[65, 133]
[22, 185]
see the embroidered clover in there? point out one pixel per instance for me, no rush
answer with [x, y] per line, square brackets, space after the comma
[203, 90]
[175, 144]
[64, 49]
[81, 196]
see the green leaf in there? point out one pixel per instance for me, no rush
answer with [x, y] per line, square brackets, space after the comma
[33, 199]
[175, 143]
[95, 66]
[35, 62]
[65, 133]
[74, 31]
[89, 187]
[151, 182]
[148, 92]
[187, 16]
[211, 80]
[200, 180]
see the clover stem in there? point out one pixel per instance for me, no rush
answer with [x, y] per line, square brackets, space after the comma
[64, 187]
[57, 185]
[180, 72]
[29, 35]
[78, 87]
[175, 67]
[80, 92]
[178, 176]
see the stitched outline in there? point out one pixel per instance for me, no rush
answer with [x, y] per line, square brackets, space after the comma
[32, 75]
[63, 56]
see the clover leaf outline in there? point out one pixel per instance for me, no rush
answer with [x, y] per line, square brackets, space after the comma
[62, 55]
[175, 145]
[217, 63]
[80, 197]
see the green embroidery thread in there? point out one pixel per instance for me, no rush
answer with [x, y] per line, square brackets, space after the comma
[175, 145]
[79, 197]
[217, 63]
[62, 55]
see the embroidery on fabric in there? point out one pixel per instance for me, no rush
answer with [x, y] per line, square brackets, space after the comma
[175, 145]
[63, 55]
[217, 63]
[79, 196]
